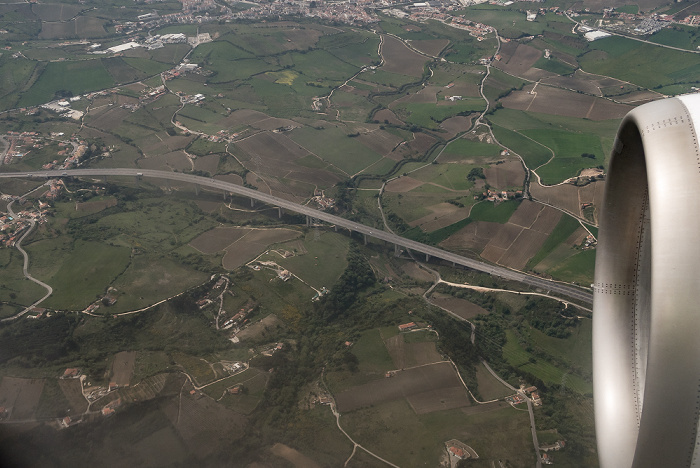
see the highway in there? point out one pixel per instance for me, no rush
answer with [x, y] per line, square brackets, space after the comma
[553, 287]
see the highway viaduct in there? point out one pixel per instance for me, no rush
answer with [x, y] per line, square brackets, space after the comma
[553, 287]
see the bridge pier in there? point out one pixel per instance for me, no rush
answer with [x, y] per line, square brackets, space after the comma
[335, 227]
[308, 220]
[252, 202]
[279, 212]
[137, 181]
[397, 251]
[196, 189]
[427, 257]
[365, 236]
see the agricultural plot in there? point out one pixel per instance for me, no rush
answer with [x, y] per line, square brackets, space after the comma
[403, 384]
[389, 428]
[489, 387]
[631, 61]
[253, 243]
[237, 242]
[408, 354]
[517, 356]
[470, 151]
[568, 149]
[507, 175]
[258, 329]
[400, 59]
[71, 77]
[461, 307]
[123, 368]
[569, 197]
[73, 391]
[519, 60]
[20, 397]
[85, 271]
[296, 458]
[556, 101]
[335, 146]
[430, 46]
[82, 26]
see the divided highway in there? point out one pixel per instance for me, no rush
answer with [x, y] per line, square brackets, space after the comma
[553, 287]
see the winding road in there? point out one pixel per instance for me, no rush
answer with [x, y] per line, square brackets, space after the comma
[550, 286]
[25, 267]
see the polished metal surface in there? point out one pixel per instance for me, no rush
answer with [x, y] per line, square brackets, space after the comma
[646, 327]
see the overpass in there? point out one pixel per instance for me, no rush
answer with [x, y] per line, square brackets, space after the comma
[553, 287]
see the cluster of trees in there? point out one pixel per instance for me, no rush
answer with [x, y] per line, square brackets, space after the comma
[357, 277]
[548, 316]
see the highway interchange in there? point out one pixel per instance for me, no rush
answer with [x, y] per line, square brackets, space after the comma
[552, 287]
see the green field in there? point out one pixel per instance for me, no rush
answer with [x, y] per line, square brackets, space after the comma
[564, 228]
[568, 148]
[578, 268]
[81, 275]
[335, 146]
[71, 78]
[322, 263]
[396, 433]
[430, 116]
[630, 60]
[518, 357]
[534, 154]
[469, 149]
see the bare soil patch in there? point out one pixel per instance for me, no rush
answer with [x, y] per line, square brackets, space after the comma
[439, 400]
[385, 115]
[72, 389]
[505, 236]
[20, 397]
[380, 141]
[556, 101]
[207, 163]
[400, 59]
[273, 146]
[403, 184]
[455, 125]
[525, 247]
[546, 220]
[395, 345]
[492, 253]
[123, 368]
[418, 354]
[415, 272]
[462, 307]
[445, 220]
[564, 196]
[437, 212]
[95, 206]
[467, 239]
[296, 458]
[521, 60]
[402, 384]
[430, 46]
[486, 408]
[232, 178]
[217, 239]
[526, 214]
[508, 174]
[573, 83]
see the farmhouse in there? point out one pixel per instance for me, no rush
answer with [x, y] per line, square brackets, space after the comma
[407, 326]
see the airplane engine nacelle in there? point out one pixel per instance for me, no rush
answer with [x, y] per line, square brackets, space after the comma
[646, 307]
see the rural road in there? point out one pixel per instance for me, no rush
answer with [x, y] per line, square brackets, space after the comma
[48, 288]
[564, 289]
